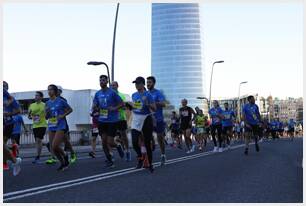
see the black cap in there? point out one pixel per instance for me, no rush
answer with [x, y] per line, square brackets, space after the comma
[139, 80]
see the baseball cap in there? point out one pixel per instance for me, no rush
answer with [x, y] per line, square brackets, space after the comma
[139, 80]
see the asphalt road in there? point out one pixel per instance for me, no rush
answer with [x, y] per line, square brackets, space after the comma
[274, 174]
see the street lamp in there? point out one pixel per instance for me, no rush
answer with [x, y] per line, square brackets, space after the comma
[114, 40]
[206, 101]
[238, 105]
[94, 63]
[212, 70]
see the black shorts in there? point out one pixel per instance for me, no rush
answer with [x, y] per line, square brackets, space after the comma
[39, 132]
[122, 125]
[217, 127]
[185, 126]
[8, 130]
[291, 130]
[225, 129]
[108, 128]
[16, 137]
[254, 129]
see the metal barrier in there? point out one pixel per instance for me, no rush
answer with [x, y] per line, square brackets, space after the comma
[28, 139]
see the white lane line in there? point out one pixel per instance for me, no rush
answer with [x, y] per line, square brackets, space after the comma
[94, 178]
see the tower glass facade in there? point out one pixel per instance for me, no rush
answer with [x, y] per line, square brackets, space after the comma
[177, 61]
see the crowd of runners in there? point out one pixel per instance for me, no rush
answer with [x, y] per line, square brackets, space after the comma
[109, 122]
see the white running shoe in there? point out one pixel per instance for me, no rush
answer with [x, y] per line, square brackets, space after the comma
[220, 149]
[192, 148]
[215, 149]
[16, 166]
[188, 152]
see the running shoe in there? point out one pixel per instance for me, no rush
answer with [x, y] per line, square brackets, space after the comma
[5, 166]
[62, 167]
[16, 166]
[120, 150]
[257, 147]
[92, 154]
[151, 168]
[192, 148]
[215, 149]
[188, 152]
[162, 160]
[140, 163]
[51, 161]
[73, 158]
[110, 164]
[246, 151]
[200, 148]
[35, 161]
[220, 149]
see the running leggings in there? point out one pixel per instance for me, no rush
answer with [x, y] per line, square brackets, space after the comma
[147, 131]
[219, 134]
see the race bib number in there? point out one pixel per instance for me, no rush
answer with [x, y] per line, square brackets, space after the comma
[138, 105]
[36, 119]
[53, 122]
[185, 113]
[254, 116]
[104, 113]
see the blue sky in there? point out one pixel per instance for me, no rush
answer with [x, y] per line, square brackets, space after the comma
[51, 43]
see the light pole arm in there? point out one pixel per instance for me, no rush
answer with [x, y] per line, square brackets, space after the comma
[114, 41]
[211, 75]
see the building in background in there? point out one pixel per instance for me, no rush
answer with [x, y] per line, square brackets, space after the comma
[177, 52]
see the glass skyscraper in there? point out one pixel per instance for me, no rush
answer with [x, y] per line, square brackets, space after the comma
[177, 61]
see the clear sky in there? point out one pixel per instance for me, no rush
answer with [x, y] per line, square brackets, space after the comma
[51, 43]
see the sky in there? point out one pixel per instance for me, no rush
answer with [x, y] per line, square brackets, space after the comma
[51, 43]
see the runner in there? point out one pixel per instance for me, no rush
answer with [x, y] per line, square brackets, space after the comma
[37, 114]
[122, 124]
[10, 108]
[107, 102]
[94, 133]
[159, 124]
[251, 116]
[142, 122]
[291, 126]
[280, 128]
[175, 130]
[216, 116]
[199, 122]
[56, 111]
[68, 146]
[186, 117]
[274, 128]
[227, 124]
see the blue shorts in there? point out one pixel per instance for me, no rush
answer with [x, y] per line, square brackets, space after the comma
[160, 127]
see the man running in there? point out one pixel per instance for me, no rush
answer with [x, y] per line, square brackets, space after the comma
[186, 117]
[291, 126]
[56, 111]
[251, 116]
[107, 102]
[159, 126]
[122, 123]
[10, 108]
[216, 125]
[274, 128]
[227, 124]
[175, 130]
[37, 114]
[94, 133]
[142, 106]
[68, 145]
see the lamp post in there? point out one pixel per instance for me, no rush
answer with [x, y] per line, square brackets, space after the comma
[95, 63]
[238, 103]
[212, 70]
[114, 40]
